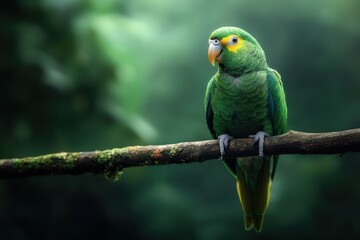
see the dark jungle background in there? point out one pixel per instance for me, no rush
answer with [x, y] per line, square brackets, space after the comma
[81, 75]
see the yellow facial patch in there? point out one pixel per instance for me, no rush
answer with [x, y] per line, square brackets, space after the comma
[230, 44]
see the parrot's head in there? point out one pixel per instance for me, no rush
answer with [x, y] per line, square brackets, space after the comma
[235, 50]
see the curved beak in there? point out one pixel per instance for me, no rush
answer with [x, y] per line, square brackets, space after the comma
[214, 52]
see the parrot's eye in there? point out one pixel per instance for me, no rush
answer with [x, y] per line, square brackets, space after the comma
[216, 41]
[234, 40]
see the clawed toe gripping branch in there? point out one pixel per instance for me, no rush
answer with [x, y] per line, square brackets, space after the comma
[111, 162]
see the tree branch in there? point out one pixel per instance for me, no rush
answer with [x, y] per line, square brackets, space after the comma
[111, 162]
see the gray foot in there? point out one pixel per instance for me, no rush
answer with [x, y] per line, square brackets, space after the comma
[259, 137]
[224, 143]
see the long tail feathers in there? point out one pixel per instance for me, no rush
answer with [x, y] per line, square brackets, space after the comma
[253, 185]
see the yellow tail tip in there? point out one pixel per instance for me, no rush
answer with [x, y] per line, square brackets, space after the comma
[248, 222]
[253, 222]
[258, 222]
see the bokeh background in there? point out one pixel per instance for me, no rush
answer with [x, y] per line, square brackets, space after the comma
[82, 75]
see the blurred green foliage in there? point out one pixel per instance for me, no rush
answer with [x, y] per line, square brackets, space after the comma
[80, 75]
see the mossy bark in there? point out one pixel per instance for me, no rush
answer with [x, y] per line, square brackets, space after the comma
[111, 162]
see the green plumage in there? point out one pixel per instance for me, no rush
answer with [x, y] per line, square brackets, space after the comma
[244, 97]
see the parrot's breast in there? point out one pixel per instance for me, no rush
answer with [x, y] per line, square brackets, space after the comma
[240, 105]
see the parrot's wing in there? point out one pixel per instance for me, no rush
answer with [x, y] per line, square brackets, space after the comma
[229, 163]
[277, 108]
[208, 109]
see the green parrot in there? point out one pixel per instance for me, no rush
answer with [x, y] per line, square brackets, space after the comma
[245, 98]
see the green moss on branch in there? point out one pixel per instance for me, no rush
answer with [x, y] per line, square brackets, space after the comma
[112, 162]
